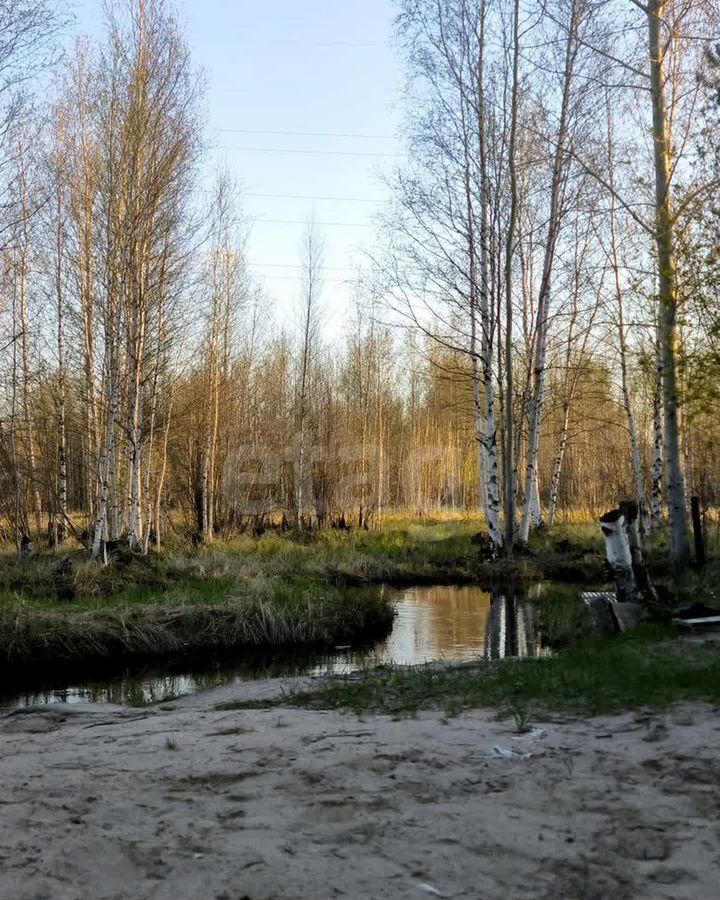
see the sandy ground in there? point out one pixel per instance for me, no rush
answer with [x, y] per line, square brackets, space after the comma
[96, 804]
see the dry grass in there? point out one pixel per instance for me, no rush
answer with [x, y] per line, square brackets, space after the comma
[274, 615]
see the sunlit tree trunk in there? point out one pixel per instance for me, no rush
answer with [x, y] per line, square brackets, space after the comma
[509, 469]
[83, 194]
[573, 371]
[477, 285]
[638, 477]
[312, 256]
[163, 470]
[487, 311]
[154, 401]
[60, 253]
[102, 532]
[135, 424]
[559, 172]
[22, 264]
[667, 292]
[656, 471]
[558, 462]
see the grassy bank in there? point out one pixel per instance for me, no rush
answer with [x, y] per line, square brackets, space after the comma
[274, 590]
[403, 552]
[264, 613]
[645, 669]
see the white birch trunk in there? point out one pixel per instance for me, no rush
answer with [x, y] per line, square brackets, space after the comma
[638, 477]
[106, 526]
[114, 524]
[558, 465]
[481, 303]
[656, 473]
[151, 428]
[487, 321]
[62, 401]
[535, 510]
[492, 471]
[136, 437]
[163, 469]
[554, 223]
[509, 473]
[22, 278]
[83, 196]
[667, 291]
[478, 417]
[106, 464]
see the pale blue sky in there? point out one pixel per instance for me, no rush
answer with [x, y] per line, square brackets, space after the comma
[321, 66]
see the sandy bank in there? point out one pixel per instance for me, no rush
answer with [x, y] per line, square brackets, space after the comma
[190, 802]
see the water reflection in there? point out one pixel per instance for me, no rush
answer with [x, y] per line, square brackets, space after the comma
[438, 622]
[510, 629]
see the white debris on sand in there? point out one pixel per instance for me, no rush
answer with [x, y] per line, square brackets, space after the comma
[190, 802]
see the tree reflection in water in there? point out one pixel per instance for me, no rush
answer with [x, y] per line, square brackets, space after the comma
[511, 627]
[434, 622]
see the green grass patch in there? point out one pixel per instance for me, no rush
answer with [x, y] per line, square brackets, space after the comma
[563, 618]
[402, 552]
[232, 705]
[699, 585]
[580, 536]
[644, 669]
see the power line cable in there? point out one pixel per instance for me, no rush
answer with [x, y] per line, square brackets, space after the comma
[311, 152]
[329, 134]
[298, 266]
[313, 197]
[298, 277]
[302, 43]
[304, 222]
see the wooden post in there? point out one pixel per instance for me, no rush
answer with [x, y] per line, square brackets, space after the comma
[697, 531]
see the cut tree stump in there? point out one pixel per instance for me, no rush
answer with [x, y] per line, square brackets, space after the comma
[610, 616]
[623, 549]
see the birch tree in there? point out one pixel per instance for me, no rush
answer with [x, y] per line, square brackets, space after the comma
[448, 224]
[508, 462]
[224, 287]
[614, 259]
[22, 247]
[312, 255]
[148, 151]
[577, 14]
[60, 227]
[577, 355]
[667, 287]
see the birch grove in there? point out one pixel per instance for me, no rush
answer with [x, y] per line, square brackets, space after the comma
[533, 339]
